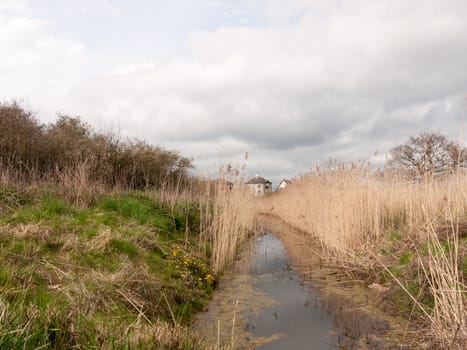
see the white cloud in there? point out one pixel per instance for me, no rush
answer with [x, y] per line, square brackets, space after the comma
[35, 64]
[14, 7]
[299, 81]
[95, 7]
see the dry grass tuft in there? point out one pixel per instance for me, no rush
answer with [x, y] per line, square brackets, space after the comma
[102, 239]
[32, 231]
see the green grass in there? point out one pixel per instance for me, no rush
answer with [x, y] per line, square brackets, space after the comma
[146, 211]
[406, 258]
[124, 247]
[137, 207]
[78, 276]
[394, 235]
[100, 261]
[403, 262]
[5, 276]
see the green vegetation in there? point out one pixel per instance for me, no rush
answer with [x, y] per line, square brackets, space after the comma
[105, 243]
[404, 263]
[124, 272]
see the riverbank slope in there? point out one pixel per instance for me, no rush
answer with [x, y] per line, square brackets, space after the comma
[124, 271]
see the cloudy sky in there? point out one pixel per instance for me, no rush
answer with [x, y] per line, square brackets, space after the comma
[291, 82]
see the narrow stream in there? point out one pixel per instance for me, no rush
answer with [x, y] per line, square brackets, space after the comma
[297, 312]
[265, 304]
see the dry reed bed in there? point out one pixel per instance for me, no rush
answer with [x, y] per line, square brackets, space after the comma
[413, 231]
[228, 221]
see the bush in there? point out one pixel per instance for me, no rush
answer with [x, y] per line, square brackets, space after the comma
[71, 149]
[21, 136]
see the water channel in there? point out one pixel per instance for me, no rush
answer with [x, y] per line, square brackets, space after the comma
[266, 305]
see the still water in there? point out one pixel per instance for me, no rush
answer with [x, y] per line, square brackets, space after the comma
[266, 305]
[297, 312]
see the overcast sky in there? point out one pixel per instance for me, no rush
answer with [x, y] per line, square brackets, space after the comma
[291, 82]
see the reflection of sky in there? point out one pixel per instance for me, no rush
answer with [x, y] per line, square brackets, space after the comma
[297, 313]
[307, 318]
[270, 256]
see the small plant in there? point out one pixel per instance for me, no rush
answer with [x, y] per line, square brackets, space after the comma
[394, 235]
[123, 247]
[406, 258]
[192, 269]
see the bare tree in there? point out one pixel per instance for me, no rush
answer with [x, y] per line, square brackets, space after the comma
[427, 153]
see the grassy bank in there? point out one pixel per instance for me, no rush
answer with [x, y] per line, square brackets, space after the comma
[105, 243]
[126, 271]
[406, 240]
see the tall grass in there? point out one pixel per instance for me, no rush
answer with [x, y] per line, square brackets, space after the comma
[449, 320]
[347, 207]
[231, 216]
[362, 219]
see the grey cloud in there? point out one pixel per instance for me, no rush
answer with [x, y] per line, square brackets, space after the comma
[324, 80]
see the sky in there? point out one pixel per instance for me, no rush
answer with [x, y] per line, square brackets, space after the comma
[292, 83]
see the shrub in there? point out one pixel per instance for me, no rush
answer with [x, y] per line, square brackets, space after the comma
[71, 153]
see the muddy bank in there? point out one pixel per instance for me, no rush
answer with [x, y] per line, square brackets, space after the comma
[225, 323]
[265, 303]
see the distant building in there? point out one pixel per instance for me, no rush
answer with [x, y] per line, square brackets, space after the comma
[283, 184]
[259, 185]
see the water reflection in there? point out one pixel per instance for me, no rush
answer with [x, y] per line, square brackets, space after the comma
[298, 313]
[266, 305]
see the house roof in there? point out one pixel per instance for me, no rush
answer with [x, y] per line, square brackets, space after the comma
[258, 180]
[283, 184]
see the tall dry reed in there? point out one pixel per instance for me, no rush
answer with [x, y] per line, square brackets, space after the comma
[449, 320]
[348, 207]
[229, 219]
[352, 213]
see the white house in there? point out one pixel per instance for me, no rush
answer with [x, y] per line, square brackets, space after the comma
[259, 185]
[283, 184]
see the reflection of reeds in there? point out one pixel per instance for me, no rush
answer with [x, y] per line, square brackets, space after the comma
[359, 218]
